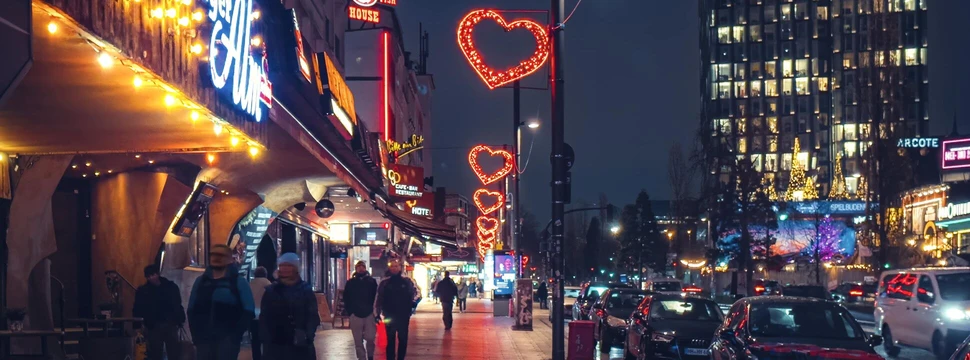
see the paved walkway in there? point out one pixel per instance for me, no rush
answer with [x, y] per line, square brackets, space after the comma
[476, 335]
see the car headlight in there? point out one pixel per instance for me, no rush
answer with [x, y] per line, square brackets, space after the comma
[662, 337]
[956, 314]
[614, 321]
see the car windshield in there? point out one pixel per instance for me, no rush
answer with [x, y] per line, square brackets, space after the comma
[685, 309]
[666, 286]
[955, 287]
[596, 289]
[622, 303]
[802, 320]
[571, 293]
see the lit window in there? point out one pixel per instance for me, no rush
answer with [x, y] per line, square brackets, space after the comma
[786, 12]
[803, 160]
[848, 60]
[742, 145]
[911, 5]
[771, 89]
[773, 128]
[786, 68]
[823, 84]
[911, 55]
[756, 88]
[756, 161]
[822, 11]
[786, 162]
[801, 86]
[742, 126]
[739, 34]
[801, 67]
[724, 35]
[755, 33]
[724, 90]
[850, 148]
[922, 57]
[786, 86]
[771, 162]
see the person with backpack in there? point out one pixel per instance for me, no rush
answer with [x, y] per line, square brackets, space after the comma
[359, 295]
[220, 308]
[395, 295]
[447, 291]
[288, 317]
[159, 303]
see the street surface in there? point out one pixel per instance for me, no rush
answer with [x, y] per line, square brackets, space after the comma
[479, 335]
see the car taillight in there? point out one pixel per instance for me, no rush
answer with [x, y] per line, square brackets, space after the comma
[758, 289]
[855, 292]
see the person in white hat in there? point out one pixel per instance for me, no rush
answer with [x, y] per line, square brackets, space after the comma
[288, 318]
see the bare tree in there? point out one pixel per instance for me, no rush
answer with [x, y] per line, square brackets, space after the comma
[680, 173]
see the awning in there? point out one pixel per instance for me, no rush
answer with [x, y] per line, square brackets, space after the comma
[429, 230]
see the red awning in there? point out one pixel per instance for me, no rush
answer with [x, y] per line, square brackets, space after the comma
[430, 230]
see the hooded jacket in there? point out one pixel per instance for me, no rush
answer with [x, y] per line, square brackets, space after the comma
[447, 290]
[288, 312]
[359, 295]
[219, 307]
[159, 304]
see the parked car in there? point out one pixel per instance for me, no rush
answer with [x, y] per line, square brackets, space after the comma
[589, 294]
[766, 287]
[774, 327]
[671, 327]
[963, 352]
[848, 292]
[665, 286]
[809, 291]
[926, 308]
[570, 294]
[610, 313]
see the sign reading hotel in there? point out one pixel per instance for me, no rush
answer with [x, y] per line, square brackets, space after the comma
[415, 143]
[341, 99]
[956, 154]
[363, 10]
[234, 70]
[423, 206]
[405, 181]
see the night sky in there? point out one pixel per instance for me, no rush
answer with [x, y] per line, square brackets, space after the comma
[632, 90]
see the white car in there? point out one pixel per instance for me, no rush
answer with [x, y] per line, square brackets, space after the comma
[665, 286]
[927, 308]
[570, 293]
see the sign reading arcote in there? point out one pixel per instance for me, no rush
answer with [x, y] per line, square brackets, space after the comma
[918, 143]
[956, 154]
[405, 181]
[232, 66]
[341, 98]
[415, 143]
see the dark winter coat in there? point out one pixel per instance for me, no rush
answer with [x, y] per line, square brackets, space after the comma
[447, 290]
[359, 295]
[219, 307]
[288, 321]
[395, 297]
[159, 304]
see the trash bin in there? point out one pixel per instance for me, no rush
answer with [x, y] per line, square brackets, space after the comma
[581, 344]
[500, 305]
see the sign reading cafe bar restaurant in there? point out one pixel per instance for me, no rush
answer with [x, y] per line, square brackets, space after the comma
[405, 181]
[232, 66]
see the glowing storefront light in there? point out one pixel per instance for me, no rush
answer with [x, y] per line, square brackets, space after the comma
[231, 61]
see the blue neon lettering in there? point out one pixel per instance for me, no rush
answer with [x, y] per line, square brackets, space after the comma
[232, 30]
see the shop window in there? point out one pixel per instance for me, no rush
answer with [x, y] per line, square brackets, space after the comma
[199, 243]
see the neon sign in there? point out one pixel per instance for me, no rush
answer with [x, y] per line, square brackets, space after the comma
[232, 65]
[401, 149]
[300, 54]
[953, 210]
[342, 99]
[495, 176]
[499, 200]
[918, 143]
[490, 76]
[956, 154]
[364, 14]
[487, 231]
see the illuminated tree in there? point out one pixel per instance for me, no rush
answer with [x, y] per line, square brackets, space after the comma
[862, 190]
[838, 191]
[769, 189]
[796, 179]
[810, 190]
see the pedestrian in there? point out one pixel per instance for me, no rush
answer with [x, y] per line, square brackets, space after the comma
[542, 293]
[258, 287]
[481, 290]
[417, 295]
[359, 295]
[462, 295]
[472, 288]
[434, 290]
[159, 304]
[394, 297]
[289, 317]
[447, 291]
[220, 308]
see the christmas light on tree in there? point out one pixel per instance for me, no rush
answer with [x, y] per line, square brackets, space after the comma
[796, 178]
[769, 189]
[838, 191]
[862, 190]
[810, 191]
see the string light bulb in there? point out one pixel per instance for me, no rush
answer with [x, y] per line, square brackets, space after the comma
[255, 14]
[105, 60]
[137, 81]
[493, 177]
[490, 76]
[110, 171]
[256, 41]
[52, 27]
[194, 115]
[73, 166]
[234, 141]
[211, 158]
[169, 100]
[183, 21]
[88, 164]
[97, 173]
[197, 16]
[137, 156]
[171, 13]
[253, 151]
[157, 13]
[196, 48]
[186, 2]
[217, 128]
[151, 161]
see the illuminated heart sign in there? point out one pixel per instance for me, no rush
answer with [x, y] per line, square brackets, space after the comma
[487, 224]
[232, 66]
[493, 177]
[490, 76]
[499, 200]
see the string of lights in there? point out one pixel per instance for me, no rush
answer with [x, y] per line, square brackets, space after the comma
[499, 200]
[485, 178]
[490, 76]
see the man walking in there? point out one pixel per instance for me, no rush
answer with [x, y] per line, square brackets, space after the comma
[220, 308]
[159, 303]
[394, 298]
[462, 295]
[359, 295]
[289, 317]
[447, 291]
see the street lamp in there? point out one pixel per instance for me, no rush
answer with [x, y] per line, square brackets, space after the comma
[615, 229]
[533, 123]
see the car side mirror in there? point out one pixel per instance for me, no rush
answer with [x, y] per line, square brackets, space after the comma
[875, 340]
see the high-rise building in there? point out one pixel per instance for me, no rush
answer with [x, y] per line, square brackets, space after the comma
[777, 70]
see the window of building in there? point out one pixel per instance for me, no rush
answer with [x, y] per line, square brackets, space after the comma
[756, 70]
[754, 15]
[742, 145]
[723, 72]
[738, 34]
[770, 69]
[823, 84]
[756, 88]
[739, 71]
[724, 90]
[922, 56]
[754, 31]
[849, 148]
[723, 125]
[848, 60]
[786, 162]
[773, 143]
[822, 12]
[723, 17]
[742, 126]
[756, 162]
[785, 12]
[771, 88]
[801, 86]
[786, 86]
[756, 104]
[771, 162]
[786, 68]
[199, 243]
[740, 90]
[772, 124]
[801, 67]
[911, 57]
[724, 35]
[801, 10]
[770, 14]
[772, 104]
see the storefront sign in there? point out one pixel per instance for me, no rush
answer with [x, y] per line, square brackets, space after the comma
[405, 181]
[830, 207]
[954, 210]
[918, 143]
[415, 143]
[370, 236]
[425, 258]
[247, 235]
[364, 14]
[341, 98]
[465, 254]
[422, 206]
[300, 54]
[956, 154]
[232, 66]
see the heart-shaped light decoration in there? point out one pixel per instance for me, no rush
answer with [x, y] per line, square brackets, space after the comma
[487, 224]
[493, 177]
[490, 76]
[499, 200]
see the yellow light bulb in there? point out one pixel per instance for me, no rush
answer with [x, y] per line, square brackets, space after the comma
[170, 13]
[255, 14]
[137, 81]
[196, 48]
[97, 173]
[217, 128]
[234, 141]
[110, 171]
[256, 41]
[197, 16]
[158, 12]
[51, 27]
[138, 156]
[105, 60]
[194, 115]
[183, 21]
[151, 161]
[169, 100]
[74, 166]
[211, 158]
[253, 151]
[88, 164]
[186, 2]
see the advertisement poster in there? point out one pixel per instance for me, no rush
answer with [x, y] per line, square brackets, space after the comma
[247, 235]
[504, 274]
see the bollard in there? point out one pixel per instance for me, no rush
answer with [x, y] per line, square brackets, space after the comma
[581, 343]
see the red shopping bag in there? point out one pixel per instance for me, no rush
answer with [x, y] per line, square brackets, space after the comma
[381, 338]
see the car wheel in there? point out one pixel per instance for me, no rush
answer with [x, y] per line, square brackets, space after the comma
[888, 343]
[605, 341]
[940, 348]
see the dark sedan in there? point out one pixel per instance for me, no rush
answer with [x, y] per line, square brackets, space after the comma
[589, 294]
[782, 326]
[609, 315]
[671, 327]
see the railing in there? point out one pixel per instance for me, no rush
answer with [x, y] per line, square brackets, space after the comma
[122, 277]
[60, 300]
